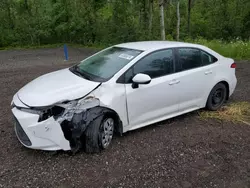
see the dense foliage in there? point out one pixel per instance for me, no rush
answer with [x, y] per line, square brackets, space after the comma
[104, 22]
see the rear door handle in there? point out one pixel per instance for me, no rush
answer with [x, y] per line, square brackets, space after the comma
[174, 82]
[208, 72]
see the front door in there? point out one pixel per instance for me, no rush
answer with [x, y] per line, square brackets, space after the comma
[154, 101]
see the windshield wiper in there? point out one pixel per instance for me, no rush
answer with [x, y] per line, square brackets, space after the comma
[76, 70]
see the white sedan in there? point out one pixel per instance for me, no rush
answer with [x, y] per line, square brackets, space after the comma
[119, 89]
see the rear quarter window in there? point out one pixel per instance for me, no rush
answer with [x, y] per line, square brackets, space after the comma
[207, 59]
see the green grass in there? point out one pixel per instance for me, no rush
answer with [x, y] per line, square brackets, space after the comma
[95, 47]
[31, 47]
[234, 112]
[237, 49]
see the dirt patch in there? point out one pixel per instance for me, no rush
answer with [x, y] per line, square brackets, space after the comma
[181, 152]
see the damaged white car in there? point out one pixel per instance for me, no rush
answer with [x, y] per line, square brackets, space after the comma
[118, 89]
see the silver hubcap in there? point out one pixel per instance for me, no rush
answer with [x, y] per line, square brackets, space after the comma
[107, 132]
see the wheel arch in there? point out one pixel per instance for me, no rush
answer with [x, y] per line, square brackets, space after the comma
[74, 130]
[90, 138]
[227, 87]
[105, 111]
[114, 114]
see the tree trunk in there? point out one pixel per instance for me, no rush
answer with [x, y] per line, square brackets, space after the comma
[178, 21]
[140, 17]
[150, 16]
[76, 8]
[189, 13]
[27, 7]
[26, 4]
[11, 23]
[145, 16]
[161, 4]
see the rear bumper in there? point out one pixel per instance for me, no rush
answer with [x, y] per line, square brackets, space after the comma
[45, 135]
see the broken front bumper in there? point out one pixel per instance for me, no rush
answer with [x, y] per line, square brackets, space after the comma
[45, 135]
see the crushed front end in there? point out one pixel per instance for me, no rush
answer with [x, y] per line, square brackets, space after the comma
[57, 127]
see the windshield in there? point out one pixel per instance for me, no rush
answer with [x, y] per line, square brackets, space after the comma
[102, 66]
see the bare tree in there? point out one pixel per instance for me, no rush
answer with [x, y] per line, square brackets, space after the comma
[11, 23]
[161, 4]
[150, 16]
[27, 7]
[26, 4]
[189, 13]
[178, 21]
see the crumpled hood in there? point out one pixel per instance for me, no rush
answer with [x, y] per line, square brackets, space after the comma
[55, 87]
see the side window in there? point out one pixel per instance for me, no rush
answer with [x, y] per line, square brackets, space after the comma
[207, 59]
[155, 65]
[189, 58]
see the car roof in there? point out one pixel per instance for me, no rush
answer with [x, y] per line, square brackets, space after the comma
[156, 45]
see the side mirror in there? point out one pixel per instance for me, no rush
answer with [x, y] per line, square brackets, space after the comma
[140, 79]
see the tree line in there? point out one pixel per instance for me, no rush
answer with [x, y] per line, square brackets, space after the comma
[104, 22]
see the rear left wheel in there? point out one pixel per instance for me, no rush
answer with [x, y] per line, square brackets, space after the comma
[217, 97]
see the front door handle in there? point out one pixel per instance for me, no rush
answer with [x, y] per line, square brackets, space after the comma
[174, 82]
[208, 72]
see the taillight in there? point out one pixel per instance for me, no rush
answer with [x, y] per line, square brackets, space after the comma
[233, 65]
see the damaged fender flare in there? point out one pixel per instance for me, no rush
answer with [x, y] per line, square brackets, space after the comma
[74, 130]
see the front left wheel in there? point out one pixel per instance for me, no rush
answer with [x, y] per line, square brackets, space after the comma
[99, 134]
[107, 131]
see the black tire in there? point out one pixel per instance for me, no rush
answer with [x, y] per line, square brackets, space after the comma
[217, 97]
[93, 135]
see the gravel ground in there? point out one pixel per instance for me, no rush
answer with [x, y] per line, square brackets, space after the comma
[181, 152]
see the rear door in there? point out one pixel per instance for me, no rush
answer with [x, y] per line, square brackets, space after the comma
[195, 75]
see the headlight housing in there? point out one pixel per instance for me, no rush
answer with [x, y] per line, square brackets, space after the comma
[65, 110]
[55, 111]
[76, 106]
